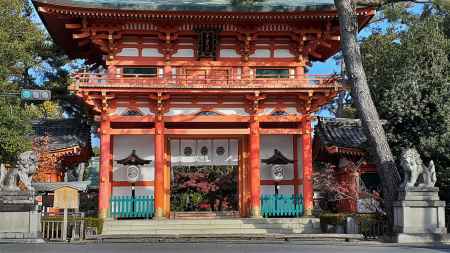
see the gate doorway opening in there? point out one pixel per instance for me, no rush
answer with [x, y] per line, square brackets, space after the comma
[204, 188]
[204, 175]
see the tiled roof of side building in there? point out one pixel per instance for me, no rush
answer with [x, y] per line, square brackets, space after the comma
[63, 133]
[341, 132]
[199, 5]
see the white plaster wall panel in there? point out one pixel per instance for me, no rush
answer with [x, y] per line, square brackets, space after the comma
[186, 158]
[121, 191]
[204, 146]
[119, 172]
[233, 152]
[286, 189]
[144, 190]
[300, 190]
[219, 158]
[184, 53]
[229, 53]
[145, 111]
[119, 110]
[270, 110]
[291, 110]
[233, 111]
[267, 190]
[266, 111]
[151, 52]
[123, 145]
[182, 111]
[300, 157]
[128, 52]
[284, 143]
[261, 53]
[282, 53]
[282, 189]
[174, 151]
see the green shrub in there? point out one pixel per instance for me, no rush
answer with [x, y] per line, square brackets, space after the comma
[365, 221]
[333, 218]
[94, 222]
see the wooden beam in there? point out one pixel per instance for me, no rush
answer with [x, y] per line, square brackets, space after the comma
[288, 118]
[297, 181]
[83, 42]
[81, 35]
[315, 54]
[325, 44]
[116, 118]
[128, 184]
[73, 26]
[42, 9]
[217, 131]
[199, 118]
[268, 131]
[131, 131]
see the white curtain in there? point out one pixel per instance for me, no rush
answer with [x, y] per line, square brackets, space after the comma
[197, 152]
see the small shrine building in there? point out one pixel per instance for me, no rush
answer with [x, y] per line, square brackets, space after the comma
[67, 144]
[210, 87]
[342, 144]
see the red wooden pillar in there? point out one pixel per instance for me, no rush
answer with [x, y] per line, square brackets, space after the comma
[159, 168]
[254, 168]
[307, 166]
[167, 70]
[104, 192]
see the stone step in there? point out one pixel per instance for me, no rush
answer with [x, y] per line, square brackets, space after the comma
[211, 231]
[214, 221]
[209, 226]
[204, 215]
[212, 226]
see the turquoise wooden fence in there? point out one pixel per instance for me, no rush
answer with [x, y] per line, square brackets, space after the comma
[282, 205]
[132, 207]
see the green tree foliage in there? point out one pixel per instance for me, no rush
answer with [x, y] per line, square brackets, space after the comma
[15, 128]
[408, 71]
[28, 59]
[20, 41]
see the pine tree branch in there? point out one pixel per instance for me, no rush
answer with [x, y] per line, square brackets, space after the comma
[379, 3]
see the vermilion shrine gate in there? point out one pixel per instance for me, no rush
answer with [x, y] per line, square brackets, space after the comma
[205, 83]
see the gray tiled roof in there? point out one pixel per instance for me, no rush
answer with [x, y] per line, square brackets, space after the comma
[50, 187]
[63, 133]
[344, 133]
[198, 5]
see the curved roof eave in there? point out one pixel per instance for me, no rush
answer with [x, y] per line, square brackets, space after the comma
[199, 5]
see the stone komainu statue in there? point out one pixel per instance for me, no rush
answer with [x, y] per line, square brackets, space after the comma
[416, 173]
[26, 166]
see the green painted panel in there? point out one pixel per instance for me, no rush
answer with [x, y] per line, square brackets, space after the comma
[282, 205]
[132, 207]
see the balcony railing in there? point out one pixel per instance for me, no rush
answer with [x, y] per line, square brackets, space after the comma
[90, 80]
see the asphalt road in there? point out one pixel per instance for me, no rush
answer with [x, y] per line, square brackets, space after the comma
[239, 247]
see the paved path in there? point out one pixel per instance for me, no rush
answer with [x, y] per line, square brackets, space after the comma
[239, 247]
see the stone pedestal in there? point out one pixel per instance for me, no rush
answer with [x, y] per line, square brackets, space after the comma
[19, 219]
[419, 216]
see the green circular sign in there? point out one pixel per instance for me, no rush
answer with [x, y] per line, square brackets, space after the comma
[27, 94]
